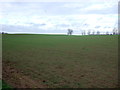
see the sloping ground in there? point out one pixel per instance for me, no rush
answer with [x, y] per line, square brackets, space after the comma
[61, 61]
[17, 79]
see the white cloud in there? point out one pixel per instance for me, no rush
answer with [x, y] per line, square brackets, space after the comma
[38, 21]
[73, 5]
[27, 13]
[101, 6]
[76, 22]
[1, 17]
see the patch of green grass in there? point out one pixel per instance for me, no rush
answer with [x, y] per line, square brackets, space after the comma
[5, 86]
[0, 84]
[65, 61]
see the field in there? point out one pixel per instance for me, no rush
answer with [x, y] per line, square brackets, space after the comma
[60, 61]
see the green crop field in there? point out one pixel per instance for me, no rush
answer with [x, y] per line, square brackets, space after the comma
[61, 61]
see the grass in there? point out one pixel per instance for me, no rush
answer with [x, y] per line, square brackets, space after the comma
[5, 85]
[65, 61]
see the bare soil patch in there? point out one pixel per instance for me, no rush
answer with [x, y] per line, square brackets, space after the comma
[17, 79]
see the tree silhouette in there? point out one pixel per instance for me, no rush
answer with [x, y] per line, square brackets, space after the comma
[93, 32]
[98, 32]
[107, 33]
[83, 32]
[88, 32]
[115, 31]
[70, 31]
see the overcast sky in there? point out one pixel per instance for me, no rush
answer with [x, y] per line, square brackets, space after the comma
[57, 17]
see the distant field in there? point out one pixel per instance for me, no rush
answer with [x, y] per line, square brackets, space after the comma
[60, 61]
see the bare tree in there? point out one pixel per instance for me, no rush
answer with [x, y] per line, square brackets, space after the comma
[84, 32]
[4, 33]
[88, 32]
[93, 32]
[115, 31]
[70, 31]
[107, 33]
[98, 32]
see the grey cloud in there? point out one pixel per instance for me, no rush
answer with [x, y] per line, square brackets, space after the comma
[53, 8]
[23, 29]
[97, 26]
[37, 25]
[62, 25]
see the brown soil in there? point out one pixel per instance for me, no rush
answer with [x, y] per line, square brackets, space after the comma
[17, 79]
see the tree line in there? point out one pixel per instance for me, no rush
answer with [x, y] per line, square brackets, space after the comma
[89, 32]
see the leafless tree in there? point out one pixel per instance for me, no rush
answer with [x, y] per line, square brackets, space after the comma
[70, 31]
[98, 32]
[93, 32]
[115, 31]
[107, 33]
[84, 32]
[88, 32]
